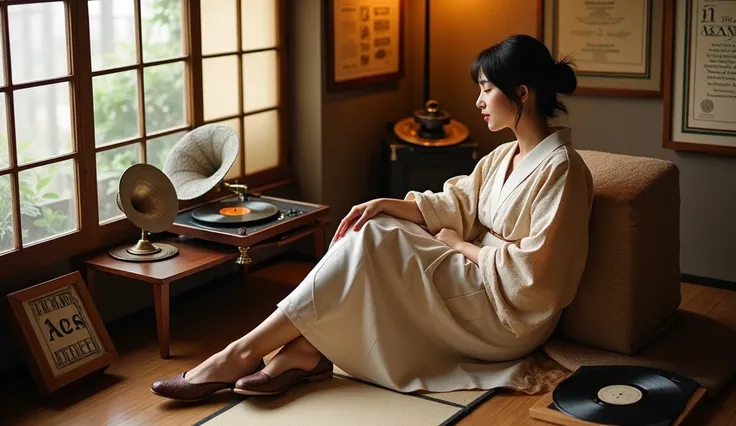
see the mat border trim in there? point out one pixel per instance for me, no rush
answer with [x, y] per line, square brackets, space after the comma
[464, 409]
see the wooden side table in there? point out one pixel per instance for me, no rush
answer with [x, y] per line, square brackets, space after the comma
[193, 257]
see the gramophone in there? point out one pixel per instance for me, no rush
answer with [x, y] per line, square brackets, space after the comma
[198, 163]
[201, 159]
[431, 126]
[148, 199]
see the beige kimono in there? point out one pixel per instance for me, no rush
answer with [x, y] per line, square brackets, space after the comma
[392, 305]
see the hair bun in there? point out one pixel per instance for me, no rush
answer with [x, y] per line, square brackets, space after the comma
[565, 80]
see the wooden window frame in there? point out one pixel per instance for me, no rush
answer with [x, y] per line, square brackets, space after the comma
[90, 234]
[275, 177]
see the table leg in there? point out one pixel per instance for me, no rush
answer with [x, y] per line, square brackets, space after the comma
[161, 298]
[90, 281]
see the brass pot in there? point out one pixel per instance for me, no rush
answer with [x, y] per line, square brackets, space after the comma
[432, 120]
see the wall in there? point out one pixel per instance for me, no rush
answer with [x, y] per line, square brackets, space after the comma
[626, 126]
[707, 182]
[304, 40]
[337, 135]
[459, 31]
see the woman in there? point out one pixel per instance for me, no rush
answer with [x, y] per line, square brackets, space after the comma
[439, 291]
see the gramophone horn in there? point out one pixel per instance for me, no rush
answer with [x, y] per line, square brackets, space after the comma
[148, 199]
[201, 159]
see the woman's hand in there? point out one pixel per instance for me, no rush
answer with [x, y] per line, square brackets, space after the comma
[455, 242]
[450, 238]
[361, 212]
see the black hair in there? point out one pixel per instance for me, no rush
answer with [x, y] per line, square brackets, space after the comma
[524, 60]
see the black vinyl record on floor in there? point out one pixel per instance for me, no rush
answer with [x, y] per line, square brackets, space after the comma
[623, 395]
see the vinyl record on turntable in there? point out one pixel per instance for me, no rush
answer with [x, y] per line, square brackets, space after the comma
[235, 212]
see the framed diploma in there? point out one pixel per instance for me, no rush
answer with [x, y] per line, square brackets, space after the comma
[63, 333]
[615, 45]
[700, 76]
[364, 39]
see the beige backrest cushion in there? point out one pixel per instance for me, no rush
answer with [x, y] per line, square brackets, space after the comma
[631, 284]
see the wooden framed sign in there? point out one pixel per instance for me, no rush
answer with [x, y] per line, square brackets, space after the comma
[63, 333]
[364, 43]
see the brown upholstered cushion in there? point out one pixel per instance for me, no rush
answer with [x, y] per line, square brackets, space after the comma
[631, 284]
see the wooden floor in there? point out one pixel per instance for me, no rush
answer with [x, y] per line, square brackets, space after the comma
[206, 319]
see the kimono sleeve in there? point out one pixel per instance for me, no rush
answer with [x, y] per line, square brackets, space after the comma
[530, 282]
[456, 207]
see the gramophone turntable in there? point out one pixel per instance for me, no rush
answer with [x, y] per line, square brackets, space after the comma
[198, 163]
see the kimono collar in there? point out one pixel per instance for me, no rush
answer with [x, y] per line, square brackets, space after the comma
[500, 190]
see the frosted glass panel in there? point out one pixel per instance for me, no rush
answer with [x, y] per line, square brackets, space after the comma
[260, 80]
[116, 107]
[43, 122]
[158, 149]
[162, 29]
[165, 94]
[4, 145]
[7, 223]
[2, 60]
[38, 41]
[219, 27]
[259, 24]
[112, 33]
[49, 201]
[220, 81]
[110, 166]
[261, 141]
[237, 169]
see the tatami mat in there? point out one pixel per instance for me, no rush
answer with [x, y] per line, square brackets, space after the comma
[346, 401]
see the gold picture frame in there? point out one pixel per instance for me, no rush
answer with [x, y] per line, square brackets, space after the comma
[65, 338]
[616, 48]
[699, 117]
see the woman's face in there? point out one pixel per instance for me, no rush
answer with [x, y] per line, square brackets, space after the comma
[495, 107]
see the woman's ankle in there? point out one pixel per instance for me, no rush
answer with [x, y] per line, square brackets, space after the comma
[302, 345]
[241, 355]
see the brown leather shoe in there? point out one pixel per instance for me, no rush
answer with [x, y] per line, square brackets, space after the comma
[260, 383]
[181, 390]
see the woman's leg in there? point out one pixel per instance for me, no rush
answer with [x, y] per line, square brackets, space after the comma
[244, 354]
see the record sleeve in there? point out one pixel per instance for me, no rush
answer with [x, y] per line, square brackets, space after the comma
[619, 395]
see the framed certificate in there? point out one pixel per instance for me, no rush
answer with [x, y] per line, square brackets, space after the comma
[615, 45]
[700, 76]
[65, 338]
[364, 39]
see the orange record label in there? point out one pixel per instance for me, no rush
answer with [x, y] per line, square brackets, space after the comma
[234, 211]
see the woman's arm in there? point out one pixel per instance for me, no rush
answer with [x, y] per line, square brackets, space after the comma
[471, 251]
[402, 209]
[455, 242]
